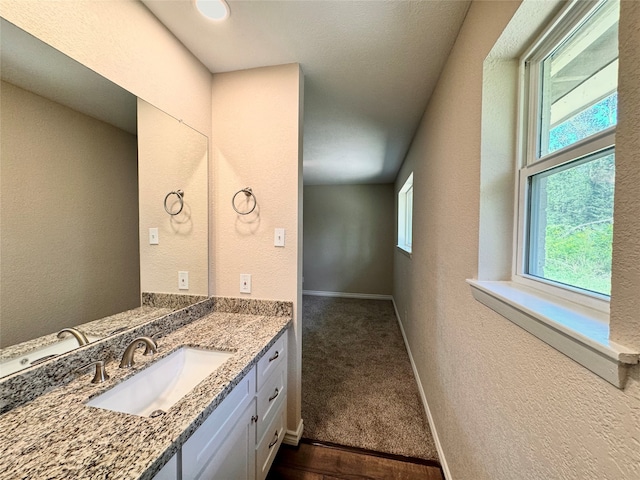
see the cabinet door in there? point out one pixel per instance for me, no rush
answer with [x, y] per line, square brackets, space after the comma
[169, 471]
[235, 456]
[208, 439]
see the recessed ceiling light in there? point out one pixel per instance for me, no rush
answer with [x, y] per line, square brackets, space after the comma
[213, 9]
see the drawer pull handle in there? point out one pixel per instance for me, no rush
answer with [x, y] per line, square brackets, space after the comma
[275, 355]
[274, 441]
[275, 394]
[254, 418]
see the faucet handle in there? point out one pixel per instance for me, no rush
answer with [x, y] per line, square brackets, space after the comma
[101, 372]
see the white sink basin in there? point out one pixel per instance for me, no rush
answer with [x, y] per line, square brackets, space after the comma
[161, 385]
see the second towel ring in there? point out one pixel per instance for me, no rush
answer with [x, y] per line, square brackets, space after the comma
[247, 191]
[180, 195]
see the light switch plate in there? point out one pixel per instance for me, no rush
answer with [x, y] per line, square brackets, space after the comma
[245, 283]
[183, 280]
[153, 236]
[278, 239]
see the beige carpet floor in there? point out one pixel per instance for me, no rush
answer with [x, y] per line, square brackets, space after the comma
[358, 388]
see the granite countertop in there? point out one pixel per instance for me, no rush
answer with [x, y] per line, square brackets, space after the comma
[57, 436]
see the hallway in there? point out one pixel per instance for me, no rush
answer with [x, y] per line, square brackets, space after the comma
[358, 387]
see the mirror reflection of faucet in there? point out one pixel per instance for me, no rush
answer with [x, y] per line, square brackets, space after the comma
[80, 336]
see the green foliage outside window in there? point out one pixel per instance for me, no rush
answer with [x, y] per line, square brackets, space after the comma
[579, 225]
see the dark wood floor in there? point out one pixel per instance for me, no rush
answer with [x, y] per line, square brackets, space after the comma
[312, 461]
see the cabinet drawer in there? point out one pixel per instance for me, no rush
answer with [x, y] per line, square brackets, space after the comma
[270, 398]
[207, 439]
[274, 357]
[268, 447]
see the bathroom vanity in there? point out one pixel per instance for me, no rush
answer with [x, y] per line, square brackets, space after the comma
[229, 426]
[242, 435]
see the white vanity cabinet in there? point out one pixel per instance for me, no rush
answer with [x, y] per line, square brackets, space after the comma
[240, 439]
[271, 398]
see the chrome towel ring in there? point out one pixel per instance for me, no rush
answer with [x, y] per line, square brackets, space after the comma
[249, 194]
[180, 195]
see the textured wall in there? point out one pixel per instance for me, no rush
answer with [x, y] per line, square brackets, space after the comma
[349, 238]
[256, 139]
[69, 224]
[172, 156]
[505, 405]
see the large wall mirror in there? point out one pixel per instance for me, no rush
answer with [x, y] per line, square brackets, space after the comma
[85, 167]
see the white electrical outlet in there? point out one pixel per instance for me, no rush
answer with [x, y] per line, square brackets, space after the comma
[278, 239]
[183, 280]
[153, 236]
[245, 283]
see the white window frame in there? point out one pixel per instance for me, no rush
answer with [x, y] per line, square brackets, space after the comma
[529, 162]
[405, 215]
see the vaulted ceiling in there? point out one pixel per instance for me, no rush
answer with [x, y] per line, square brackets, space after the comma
[369, 67]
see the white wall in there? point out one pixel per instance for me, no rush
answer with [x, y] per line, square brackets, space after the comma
[69, 224]
[349, 238]
[256, 139]
[504, 404]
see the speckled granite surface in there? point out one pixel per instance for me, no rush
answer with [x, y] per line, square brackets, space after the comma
[170, 300]
[56, 436]
[253, 307]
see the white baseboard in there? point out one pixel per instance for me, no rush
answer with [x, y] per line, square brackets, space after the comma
[365, 296]
[443, 460]
[292, 437]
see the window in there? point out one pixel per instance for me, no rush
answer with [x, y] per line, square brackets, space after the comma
[559, 284]
[566, 180]
[405, 215]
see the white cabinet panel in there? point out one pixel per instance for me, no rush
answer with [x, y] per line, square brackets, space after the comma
[234, 457]
[272, 359]
[270, 443]
[170, 470]
[198, 451]
[270, 397]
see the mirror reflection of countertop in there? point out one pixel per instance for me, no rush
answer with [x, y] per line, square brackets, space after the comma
[97, 328]
[17, 357]
[57, 436]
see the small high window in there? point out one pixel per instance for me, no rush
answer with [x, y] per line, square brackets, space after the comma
[405, 215]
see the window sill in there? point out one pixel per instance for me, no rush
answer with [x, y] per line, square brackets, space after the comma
[405, 252]
[579, 332]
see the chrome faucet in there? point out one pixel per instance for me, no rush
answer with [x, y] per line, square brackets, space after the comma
[80, 337]
[150, 348]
